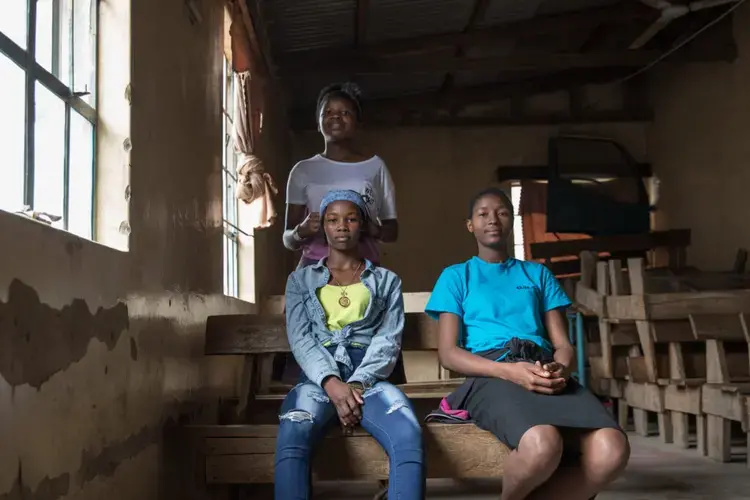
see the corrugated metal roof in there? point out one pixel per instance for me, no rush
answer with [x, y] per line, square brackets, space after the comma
[305, 90]
[309, 24]
[302, 25]
[558, 6]
[377, 86]
[508, 11]
[392, 19]
[472, 78]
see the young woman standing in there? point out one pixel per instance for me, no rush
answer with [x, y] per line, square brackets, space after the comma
[341, 165]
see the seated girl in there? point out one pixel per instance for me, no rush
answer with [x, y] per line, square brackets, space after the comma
[502, 325]
[345, 318]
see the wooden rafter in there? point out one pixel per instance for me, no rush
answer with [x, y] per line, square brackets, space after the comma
[625, 115]
[478, 94]
[433, 109]
[477, 14]
[517, 62]
[361, 23]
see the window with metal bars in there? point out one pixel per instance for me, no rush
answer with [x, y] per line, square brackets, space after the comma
[48, 52]
[229, 182]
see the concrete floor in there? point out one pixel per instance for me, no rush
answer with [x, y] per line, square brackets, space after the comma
[655, 472]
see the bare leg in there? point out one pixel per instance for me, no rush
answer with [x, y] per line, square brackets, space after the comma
[604, 455]
[536, 458]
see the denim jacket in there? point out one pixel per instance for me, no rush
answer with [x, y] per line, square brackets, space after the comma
[380, 330]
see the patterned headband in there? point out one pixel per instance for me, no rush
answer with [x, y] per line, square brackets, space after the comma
[343, 195]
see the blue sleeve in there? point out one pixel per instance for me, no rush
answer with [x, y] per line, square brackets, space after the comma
[553, 295]
[447, 296]
[382, 353]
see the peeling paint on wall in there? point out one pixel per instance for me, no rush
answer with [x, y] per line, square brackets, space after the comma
[106, 462]
[37, 341]
[48, 489]
[103, 464]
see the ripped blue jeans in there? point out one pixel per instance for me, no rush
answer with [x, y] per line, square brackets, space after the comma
[306, 415]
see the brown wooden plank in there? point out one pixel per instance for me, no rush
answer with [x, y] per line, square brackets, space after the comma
[624, 334]
[240, 446]
[726, 327]
[676, 362]
[420, 333]
[458, 451]
[727, 402]
[588, 268]
[590, 300]
[413, 390]
[718, 438]
[605, 334]
[618, 243]
[414, 302]
[672, 331]
[253, 334]
[648, 397]
[681, 305]
[245, 334]
[666, 432]
[665, 306]
[717, 368]
[683, 399]
[618, 283]
[680, 428]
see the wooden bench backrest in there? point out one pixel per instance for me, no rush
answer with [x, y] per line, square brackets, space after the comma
[253, 334]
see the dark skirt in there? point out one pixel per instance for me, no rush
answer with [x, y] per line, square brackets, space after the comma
[507, 410]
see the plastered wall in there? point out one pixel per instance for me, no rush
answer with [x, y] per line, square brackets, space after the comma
[700, 147]
[101, 349]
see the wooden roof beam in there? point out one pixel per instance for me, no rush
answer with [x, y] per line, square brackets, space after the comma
[518, 62]
[477, 14]
[361, 23]
[591, 116]
[459, 97]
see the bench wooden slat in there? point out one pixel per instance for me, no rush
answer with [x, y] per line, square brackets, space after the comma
[413, 390]
[243, 454]
[253, 334]
[245, 334]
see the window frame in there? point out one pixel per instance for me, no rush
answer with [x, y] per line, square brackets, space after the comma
[35, 72]
[518, 242]
[230, 204]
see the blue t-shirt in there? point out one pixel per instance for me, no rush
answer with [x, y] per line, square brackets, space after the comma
[497, 302]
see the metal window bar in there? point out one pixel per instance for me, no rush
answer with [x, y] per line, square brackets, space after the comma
[26, 60]
[229, 181]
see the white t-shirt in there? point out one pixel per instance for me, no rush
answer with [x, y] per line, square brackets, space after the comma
[311, 179]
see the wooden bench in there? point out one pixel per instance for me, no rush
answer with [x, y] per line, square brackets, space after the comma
[674, 345]
[242, 453]
[725, 395]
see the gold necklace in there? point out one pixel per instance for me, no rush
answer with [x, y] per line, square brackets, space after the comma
[344, 300]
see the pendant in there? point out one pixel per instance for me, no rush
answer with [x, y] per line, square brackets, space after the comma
[344, 301]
